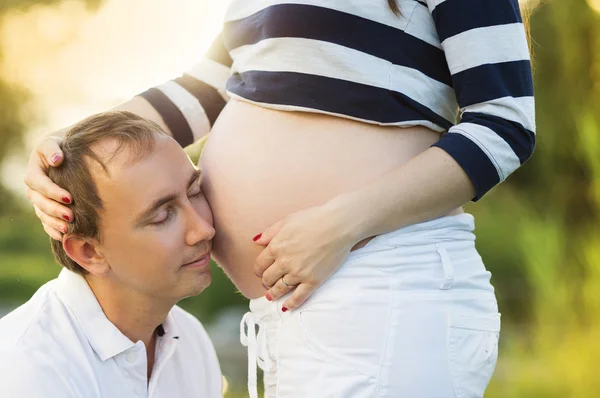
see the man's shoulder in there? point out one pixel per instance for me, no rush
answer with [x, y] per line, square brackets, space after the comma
[30, 350]
[41, 328]
[25, 372]
[18, 324]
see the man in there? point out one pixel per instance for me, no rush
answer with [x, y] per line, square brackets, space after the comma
[108, 326]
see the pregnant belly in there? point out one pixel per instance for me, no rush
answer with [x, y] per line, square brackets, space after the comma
[260, 165]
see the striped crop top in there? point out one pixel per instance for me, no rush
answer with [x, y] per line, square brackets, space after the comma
[460, 67]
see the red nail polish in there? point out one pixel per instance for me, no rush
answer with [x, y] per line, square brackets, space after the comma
[268, 296]
[283, 309]
[257, 237]
[66, 200]
[55, 158]
[66, 217]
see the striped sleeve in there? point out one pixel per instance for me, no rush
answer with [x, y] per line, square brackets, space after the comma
[485, 45]
[190, 104]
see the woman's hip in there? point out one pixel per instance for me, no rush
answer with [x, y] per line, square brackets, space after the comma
[430, 263]
[411, 306]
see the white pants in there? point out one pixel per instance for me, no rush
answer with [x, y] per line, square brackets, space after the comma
[412, 315]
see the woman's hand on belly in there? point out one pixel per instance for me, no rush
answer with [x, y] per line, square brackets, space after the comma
[305, 248]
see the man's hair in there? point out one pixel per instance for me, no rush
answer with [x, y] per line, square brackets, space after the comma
[128, 131]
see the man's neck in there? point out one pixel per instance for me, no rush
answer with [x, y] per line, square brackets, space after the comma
[135, 315]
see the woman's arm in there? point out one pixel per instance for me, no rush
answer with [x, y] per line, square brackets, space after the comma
[429, 186]
[185, 107]
[486, 49]
[487, 53]
[485, 44]
[189, 105]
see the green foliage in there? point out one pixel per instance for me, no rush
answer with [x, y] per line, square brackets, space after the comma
[11, 121]
[26, 261]
[553, 351]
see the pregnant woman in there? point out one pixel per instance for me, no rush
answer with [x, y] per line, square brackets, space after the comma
[345, 136]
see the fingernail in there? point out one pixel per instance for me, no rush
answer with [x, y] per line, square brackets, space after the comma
[66, 200]
[55, 157]
[257, 237]
[268, 296]
[283, 309]
[66, 217]
[63, 230]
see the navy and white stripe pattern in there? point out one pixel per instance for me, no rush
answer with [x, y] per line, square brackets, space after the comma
[357, 59]
[487, 54]
[190, 104]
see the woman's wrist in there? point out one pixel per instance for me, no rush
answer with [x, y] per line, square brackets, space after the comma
[349, 219]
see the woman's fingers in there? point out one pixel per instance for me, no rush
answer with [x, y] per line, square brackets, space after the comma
[58, 227]
[48, 154]
[273, 274]
[264, 238]
[39, 182]
[53, 223]
[53, 232]
[265, 259]
[301, 293]
[50, 151]
[43, 193]
[50, 207]
[280, 289]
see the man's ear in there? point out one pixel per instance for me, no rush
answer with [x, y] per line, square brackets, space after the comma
[86, 253]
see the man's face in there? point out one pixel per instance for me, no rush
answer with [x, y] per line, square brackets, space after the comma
[156, 227]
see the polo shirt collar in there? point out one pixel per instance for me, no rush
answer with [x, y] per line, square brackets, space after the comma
[168, 329]
[104, 337]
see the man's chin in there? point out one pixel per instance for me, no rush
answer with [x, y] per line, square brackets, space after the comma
[198, 283]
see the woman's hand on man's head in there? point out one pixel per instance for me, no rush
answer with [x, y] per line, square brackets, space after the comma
[48, 199]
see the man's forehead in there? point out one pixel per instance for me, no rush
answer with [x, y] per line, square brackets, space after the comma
[151, 175]
[114, 155]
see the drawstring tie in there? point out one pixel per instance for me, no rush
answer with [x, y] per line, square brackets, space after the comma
[257, 352]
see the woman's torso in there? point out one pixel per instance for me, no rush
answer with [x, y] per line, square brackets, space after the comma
[260, 165]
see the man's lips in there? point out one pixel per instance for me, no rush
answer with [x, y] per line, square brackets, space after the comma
[201, 261]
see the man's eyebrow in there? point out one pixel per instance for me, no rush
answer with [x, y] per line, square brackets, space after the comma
[165, 199]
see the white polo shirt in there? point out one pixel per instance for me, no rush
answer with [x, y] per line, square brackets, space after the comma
[61, 345]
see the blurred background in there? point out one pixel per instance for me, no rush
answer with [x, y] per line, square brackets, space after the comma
[539, 232]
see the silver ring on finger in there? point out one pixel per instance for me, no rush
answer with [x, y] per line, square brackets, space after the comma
[285, 283]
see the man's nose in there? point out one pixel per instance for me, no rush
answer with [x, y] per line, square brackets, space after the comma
[198, 229]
